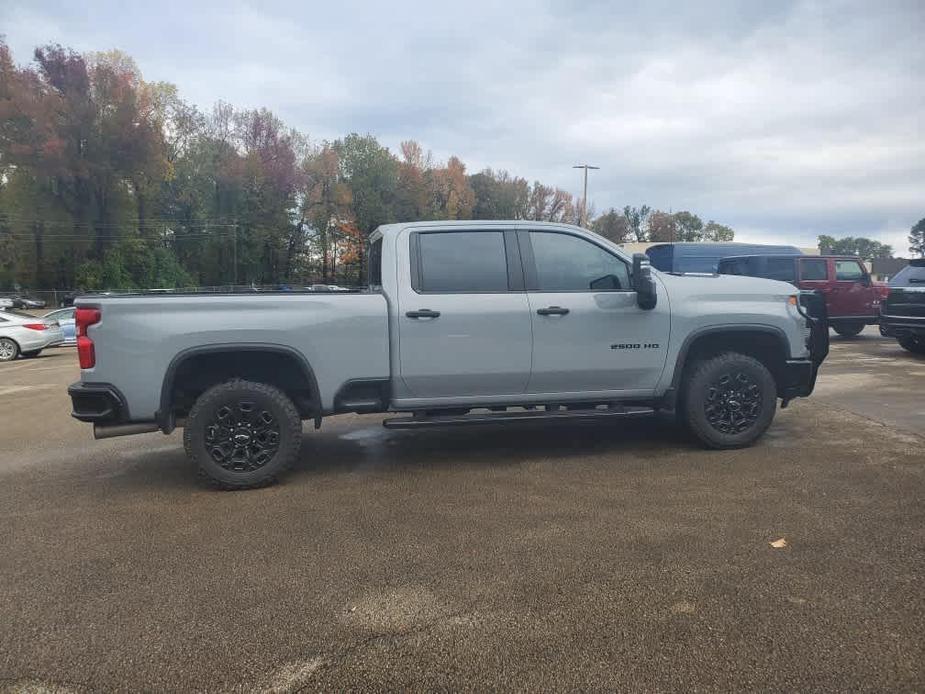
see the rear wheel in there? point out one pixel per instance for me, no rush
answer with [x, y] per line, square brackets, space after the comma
[9, 350]
[848, 329]
[728, 401]
[241, 434]
[912, 343]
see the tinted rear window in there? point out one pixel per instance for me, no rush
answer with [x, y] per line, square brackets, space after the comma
[375, 263]
[463, 262]
[814, 269]
[782, 269]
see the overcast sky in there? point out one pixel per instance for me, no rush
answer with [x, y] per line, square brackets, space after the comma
[783, 119]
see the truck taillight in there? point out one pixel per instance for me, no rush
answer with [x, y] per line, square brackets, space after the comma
[83, 319]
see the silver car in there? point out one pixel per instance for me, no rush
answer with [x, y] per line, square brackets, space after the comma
[65, 318]
[22, 334]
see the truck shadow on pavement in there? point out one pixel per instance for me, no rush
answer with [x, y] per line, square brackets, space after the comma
[364, 446]
[495, 445]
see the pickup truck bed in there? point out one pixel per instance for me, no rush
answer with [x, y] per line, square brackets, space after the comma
[158, 342]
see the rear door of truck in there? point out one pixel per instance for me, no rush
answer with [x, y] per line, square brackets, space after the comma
[463, 317]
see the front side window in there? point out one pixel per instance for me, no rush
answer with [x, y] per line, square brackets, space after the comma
[569, 263]
[848, 271]
[814, 270]
[462, 261]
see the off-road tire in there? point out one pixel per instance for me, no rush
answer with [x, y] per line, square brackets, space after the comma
[848, 329]
[204, 415]
[10, 349]
[912, 343]
[700, 390]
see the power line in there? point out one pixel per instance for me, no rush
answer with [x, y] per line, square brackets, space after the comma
[94, 225]
[173, 234]
[90, 239]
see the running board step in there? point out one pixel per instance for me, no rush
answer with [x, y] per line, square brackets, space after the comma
[414, 422]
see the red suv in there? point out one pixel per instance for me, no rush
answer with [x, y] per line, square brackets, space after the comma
[851, 297]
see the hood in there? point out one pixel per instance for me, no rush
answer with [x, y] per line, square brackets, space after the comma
[733, 285]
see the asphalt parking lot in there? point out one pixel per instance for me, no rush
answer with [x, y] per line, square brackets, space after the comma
[593, 556]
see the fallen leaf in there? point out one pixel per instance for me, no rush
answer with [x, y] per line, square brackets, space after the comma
[779, 544]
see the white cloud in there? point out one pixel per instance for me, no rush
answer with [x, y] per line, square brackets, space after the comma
[785, 120]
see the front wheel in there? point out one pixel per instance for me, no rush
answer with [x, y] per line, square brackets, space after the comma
[848, 329]
[912, 343]
[729, 400]
[241, 434]
[9, 350]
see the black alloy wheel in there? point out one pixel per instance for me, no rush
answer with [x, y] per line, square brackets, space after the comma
[242, 436]
[733, 403]
[727, 400]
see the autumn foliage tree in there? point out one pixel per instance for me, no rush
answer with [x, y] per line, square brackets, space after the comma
[110, 181]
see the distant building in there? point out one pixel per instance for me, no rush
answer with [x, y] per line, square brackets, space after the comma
[884, 268]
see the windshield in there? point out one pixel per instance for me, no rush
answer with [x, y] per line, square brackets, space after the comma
[910, 276]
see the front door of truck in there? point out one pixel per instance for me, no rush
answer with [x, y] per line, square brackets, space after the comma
[852, 293]
[588, 333]
[464, 321]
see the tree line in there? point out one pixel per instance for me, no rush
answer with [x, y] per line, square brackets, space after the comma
[110, 181]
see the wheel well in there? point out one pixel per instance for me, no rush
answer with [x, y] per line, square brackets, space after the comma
[768, 348]
[192, 375]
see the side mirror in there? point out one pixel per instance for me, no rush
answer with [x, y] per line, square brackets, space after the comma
[643, 282]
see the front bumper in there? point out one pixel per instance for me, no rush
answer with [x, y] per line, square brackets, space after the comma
[99, 403]
[898, 326]
[798, 379]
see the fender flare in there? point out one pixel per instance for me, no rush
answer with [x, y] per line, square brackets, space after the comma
[681, 360]
[164, 416]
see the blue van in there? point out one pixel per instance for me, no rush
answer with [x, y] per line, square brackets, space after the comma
[705, 256]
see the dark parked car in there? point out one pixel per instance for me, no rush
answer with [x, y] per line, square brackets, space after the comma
[852, 298]
[21, 302]
[902, 315]
[704, 257]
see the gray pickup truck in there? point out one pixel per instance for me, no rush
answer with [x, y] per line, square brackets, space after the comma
[461, 323]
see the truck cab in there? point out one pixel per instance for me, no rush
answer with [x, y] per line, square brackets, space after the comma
[852, 298]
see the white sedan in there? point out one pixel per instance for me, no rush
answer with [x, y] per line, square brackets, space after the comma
[25, 335]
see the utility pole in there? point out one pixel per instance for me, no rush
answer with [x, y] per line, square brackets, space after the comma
[234, 254]
[584, 198]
